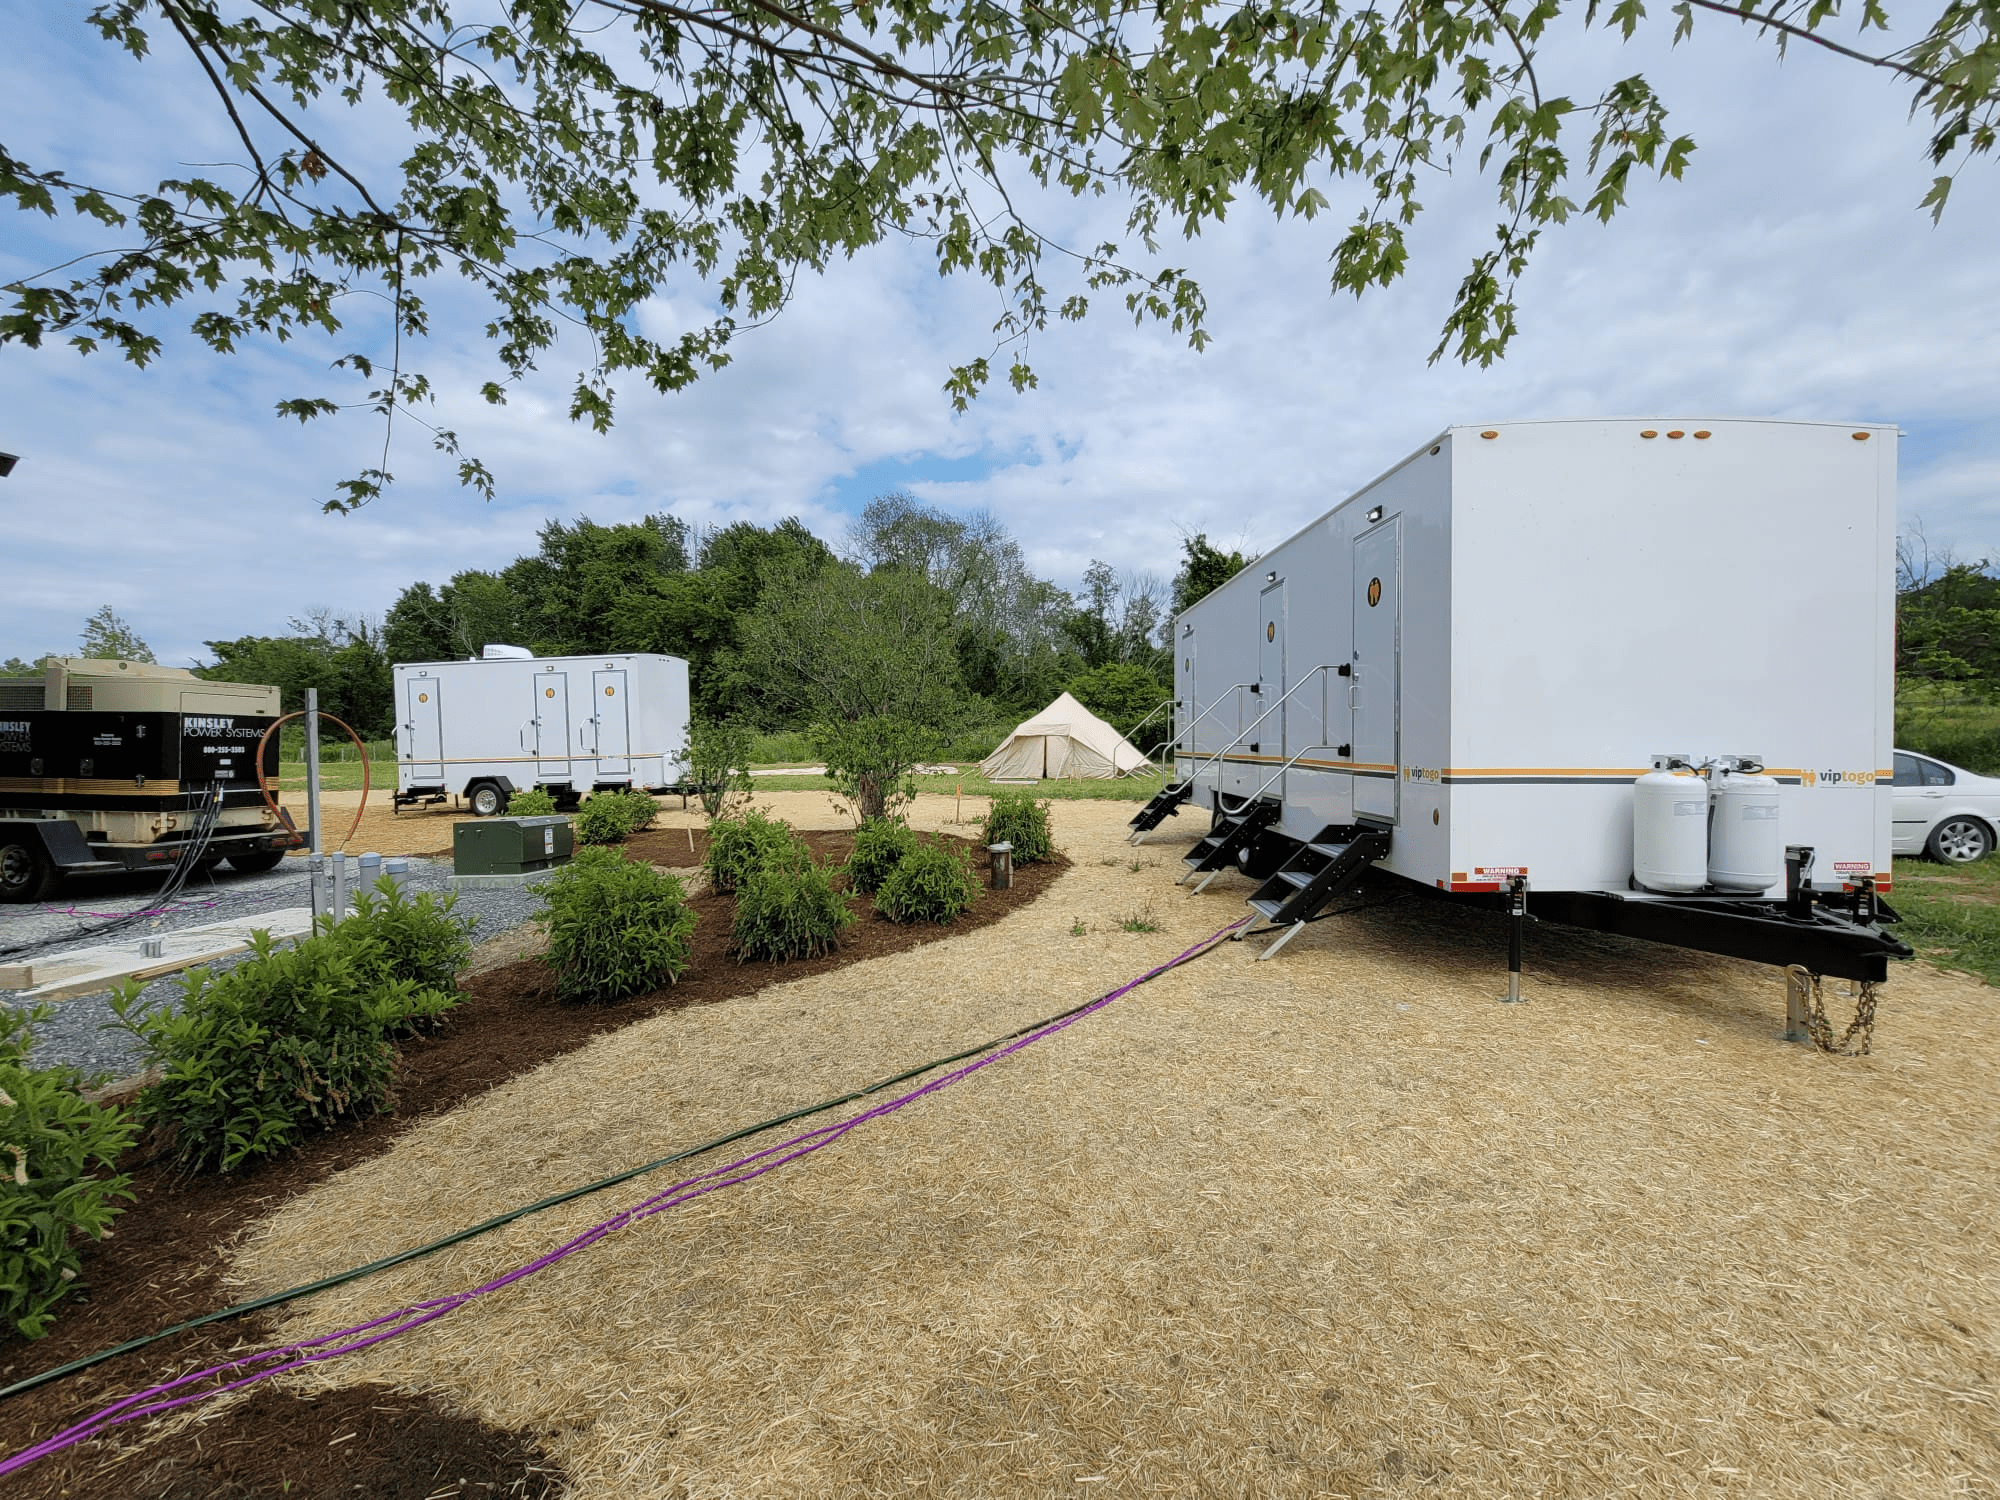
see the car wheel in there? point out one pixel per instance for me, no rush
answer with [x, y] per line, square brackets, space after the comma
[487, 800]
[26, 871]
[1960, 841]
[256, 861]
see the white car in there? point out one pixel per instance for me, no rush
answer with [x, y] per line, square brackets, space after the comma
[1943, 811]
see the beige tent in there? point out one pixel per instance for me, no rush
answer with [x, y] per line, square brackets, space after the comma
[1064, 739]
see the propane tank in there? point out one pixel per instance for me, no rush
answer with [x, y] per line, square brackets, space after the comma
[1670, 827]
[1745, 852]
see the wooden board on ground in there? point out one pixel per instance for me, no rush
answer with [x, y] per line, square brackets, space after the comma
[87, 971]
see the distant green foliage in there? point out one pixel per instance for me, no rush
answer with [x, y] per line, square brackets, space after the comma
[934, 882]
[54, 1149]
[1204, 569]
[533, 803]
[788, 908]
[736, 846]
[1126, 696]
[879, 846]
[294, 1039]
[616, 927]
[1016, 818]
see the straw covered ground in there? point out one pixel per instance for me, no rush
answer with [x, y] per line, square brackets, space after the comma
[1334, 1225]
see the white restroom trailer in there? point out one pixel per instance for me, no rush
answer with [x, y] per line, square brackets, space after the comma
[1475, 657]
[501, 723]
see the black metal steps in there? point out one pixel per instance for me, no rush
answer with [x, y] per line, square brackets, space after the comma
[1166, 803]
[1232, 832]
[1318, 871]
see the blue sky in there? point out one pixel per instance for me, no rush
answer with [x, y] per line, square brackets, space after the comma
[1792, 274]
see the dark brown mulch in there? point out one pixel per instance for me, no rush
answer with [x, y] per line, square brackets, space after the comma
[165, 1261]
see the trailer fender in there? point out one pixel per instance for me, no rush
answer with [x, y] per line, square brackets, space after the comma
[59, 838]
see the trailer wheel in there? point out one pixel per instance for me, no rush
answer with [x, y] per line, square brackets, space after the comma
[26, 871]
[486, 799]
[256, 861]
[1960, 841]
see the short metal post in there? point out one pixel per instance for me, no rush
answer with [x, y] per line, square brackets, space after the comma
[371, 871]
[1517, 917]
[1000, 860]
[316, 878]
[338, 911]
[1798, 997]
[398, 870]
[1798, 882]
[312, 769]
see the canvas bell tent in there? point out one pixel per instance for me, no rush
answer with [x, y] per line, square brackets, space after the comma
[1064, 739]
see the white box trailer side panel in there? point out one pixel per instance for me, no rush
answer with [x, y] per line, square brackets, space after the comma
[1619, 596]
[576, 722]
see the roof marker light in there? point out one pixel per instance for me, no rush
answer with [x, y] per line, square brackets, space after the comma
[1489, 434]
[1676, 433]
[1649, 432]
[1860, 437]
[1701, 432]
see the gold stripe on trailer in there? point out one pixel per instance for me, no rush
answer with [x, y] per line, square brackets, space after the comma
[519, 760]
[111, 786]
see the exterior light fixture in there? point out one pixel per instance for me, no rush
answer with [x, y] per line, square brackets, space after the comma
[1375, 514]
[1271, 577]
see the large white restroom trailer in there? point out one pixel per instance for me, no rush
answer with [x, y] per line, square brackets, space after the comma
[501, 723]
[1470, 663]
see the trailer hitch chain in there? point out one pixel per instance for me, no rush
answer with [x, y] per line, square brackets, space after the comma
[1806, 1007]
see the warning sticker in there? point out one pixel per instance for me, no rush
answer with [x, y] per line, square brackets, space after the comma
[1852, 867]
[1499, 872]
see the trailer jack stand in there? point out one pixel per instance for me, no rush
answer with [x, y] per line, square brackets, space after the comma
[1283, 938]
[1517, 916]
[1798, 1000]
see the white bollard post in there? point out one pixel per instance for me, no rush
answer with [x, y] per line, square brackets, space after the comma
[312, 769]
[371, 871]
[398, 870]
[316, 884]
[339, 886]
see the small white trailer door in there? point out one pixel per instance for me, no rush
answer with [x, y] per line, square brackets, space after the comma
[1378, 676]
[423, 729]
[551, 726]
[611, 724]
[1268, 738]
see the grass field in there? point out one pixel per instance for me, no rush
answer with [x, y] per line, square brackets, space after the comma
[1945, 722]
[1951, 913]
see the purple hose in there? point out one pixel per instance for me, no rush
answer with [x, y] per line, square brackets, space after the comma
[275, 1361]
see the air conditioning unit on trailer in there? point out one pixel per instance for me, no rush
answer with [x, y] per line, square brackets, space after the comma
[1530, 643]
[487, 728]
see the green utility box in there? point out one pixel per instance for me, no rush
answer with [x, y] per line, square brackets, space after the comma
[510, 846]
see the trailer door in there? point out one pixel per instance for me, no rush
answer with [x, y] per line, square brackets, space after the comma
[551, 726]
[1268, 738]
[423, 731]
[1377, 685]
[611, 725]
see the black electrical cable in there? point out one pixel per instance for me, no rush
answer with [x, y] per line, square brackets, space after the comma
[21, 1387]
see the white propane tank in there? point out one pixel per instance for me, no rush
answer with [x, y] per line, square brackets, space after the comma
[1745, 852]
[1670, 827]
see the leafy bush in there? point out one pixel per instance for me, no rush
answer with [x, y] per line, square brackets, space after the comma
[879, 846]
[641, 808]
[616, 927]
[718, 763]
[736, 846]
[604, 818]
[418, 938]
[533, 803]
[933, 883]
[869, 759]
[53, 1146]
[1017, 818]
[788, 908]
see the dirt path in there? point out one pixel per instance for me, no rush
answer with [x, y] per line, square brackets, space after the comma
[1333, 1225]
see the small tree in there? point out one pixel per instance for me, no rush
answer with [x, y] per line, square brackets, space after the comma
[1206, 569]
[718, 763]
[107, 636]
[869, 761]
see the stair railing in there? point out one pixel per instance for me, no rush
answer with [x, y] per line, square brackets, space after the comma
[1166, 707]
[1244, 733]
[1233, 687]
[1286, 767]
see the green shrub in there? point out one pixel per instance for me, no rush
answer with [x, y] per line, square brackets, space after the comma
[641, 808]
[616, 927]
[736, 846]
[933, 883]
[788, 908]
[879, 846]
[394, 937]
[54, 1145]
[604, 818]
[1017, 818]
[533, 803]
[718, 763]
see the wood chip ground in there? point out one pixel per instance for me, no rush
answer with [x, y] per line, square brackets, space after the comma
[1334, 1225]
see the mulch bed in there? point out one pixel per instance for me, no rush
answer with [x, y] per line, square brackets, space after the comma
[169, 1250]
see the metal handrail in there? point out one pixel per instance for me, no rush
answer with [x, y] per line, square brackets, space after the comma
[1196, 720]
[1286, 767]
[1307, 677]
[1171, 703]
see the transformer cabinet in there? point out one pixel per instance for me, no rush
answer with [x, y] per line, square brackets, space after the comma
[506, 721]
[112, 765]
[1461, 675]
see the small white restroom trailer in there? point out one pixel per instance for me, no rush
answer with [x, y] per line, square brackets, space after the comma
[1458, 675]
[506, 721]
